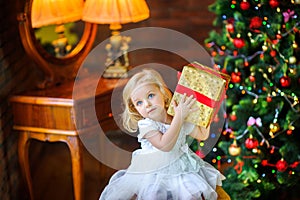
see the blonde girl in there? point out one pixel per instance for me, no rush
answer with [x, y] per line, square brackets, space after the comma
[164, 168]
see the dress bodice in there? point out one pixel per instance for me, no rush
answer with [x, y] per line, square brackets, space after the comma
[147, 125]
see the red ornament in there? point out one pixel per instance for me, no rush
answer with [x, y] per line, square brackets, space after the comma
[264, 163]
[251, 143]
[238, 42]
[252, 78]
[235, 52]
[273, 53]
[245, 5]
[281, 165]
[278, 36]
[230, 28]
[274, 3]
[255, 22]
[236, 77]
[233, 117]
[275, 41]
[289, 132]
[269, 99]
[285, 81]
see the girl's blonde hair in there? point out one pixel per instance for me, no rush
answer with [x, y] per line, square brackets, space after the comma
[130, 116]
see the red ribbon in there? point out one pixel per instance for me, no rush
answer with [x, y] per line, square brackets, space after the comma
[200, 97]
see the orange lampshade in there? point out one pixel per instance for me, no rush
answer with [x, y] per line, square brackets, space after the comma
[53, 12]
[115, 11]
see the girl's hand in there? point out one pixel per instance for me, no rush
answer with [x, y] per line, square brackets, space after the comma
[185, 106]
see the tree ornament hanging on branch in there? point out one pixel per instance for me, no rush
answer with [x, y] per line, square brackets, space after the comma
[285, 81]
[238, 43]
[234, 149]
[245, 5]
[281, 165]
[230, 28]
[251, 142]
[255, 22]
[274, 3]
[236, 77]
[273, 53]
[274, 127]
[252, 121]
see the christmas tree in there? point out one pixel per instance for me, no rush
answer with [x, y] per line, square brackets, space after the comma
[257, 42]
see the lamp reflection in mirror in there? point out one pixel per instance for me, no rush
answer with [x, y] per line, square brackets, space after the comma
[56, 12]
[115, 13]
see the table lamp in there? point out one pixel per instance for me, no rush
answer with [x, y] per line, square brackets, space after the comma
[115, 13]
[56, 12]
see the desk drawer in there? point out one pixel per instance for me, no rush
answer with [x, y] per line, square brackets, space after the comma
[43, 116]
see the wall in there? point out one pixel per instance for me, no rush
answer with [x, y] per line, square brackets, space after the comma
[190, 17]
[18, 73]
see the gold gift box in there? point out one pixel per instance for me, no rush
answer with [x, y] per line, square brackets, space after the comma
[207, 85]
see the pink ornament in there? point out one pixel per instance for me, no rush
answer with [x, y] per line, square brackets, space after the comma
[287, 15]
[252, 121]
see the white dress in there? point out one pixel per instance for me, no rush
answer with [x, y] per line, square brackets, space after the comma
[156, 175]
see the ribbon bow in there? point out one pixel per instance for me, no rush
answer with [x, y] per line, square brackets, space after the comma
[252, 121]
[287, 15]
[239, 167]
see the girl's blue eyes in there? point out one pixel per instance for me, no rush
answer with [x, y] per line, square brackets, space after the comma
[150, 96]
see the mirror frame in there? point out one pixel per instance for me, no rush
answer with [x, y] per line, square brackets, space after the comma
[56, 70]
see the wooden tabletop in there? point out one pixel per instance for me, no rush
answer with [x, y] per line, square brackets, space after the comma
[67, 93]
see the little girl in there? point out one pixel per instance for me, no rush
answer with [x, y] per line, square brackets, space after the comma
[164, 168]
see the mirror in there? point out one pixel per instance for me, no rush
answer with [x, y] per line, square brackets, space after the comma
[56, 69]
[60, 40]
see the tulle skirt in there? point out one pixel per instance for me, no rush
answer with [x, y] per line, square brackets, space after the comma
[178, 181]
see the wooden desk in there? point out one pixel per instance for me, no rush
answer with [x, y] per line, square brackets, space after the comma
[54, 115]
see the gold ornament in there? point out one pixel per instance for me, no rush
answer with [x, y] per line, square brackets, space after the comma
[234, 149]
[292, 60]
[264, 47]
[274, 127]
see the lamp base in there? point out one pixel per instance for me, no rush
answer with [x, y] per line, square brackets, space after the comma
[117, 61]
[115, 72]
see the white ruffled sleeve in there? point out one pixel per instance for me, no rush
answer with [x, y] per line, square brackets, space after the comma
[145, 126]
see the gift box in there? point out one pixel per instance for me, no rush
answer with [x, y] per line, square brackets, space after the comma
[207, 85]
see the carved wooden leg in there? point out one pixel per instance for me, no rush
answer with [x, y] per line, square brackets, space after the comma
[77, 165]
[23, 148]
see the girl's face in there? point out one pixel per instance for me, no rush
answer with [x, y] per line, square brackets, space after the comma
[149, 102]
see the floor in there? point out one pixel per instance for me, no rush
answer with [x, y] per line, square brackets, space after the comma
[51, 170]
